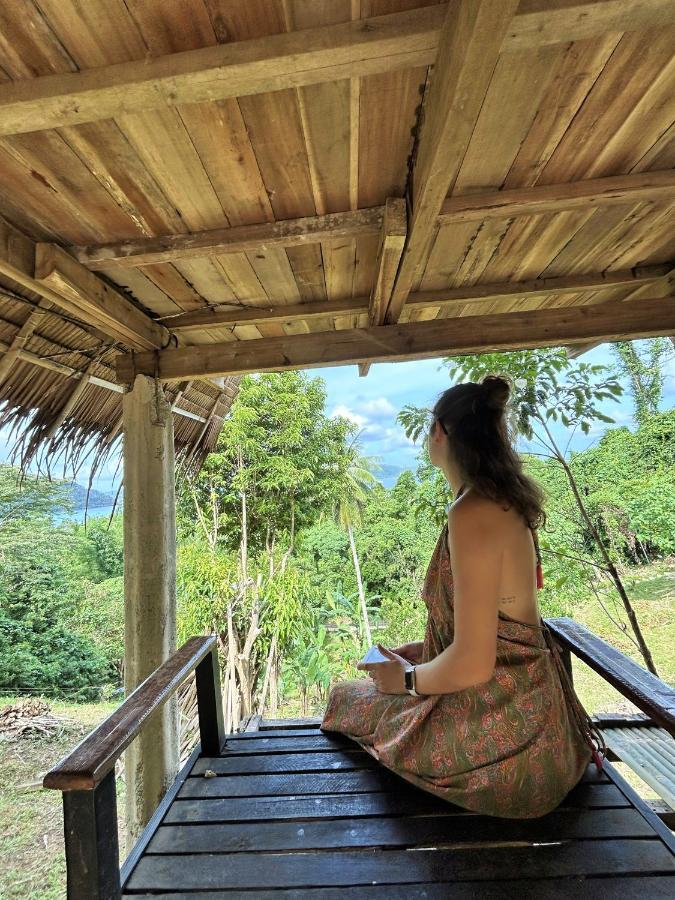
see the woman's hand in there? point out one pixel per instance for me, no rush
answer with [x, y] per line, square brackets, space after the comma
[387, 676]
[412, 651]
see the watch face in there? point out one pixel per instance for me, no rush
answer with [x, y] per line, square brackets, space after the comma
[408, 674]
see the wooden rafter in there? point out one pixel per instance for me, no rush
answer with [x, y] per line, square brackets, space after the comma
[641, 187]
[445, 299]
[541, 22]
[392, 240]
[310, 56]
[468, 51]
[21, 338]
[664, 286]
[471, 334]
[96, 302]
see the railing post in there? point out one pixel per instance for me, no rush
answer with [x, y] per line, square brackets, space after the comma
[92, 848]
[209, 704]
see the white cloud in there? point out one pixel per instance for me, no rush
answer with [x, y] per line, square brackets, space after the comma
[379, 408]
[347, 413]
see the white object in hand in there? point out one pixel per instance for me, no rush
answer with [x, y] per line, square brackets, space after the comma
[373, 655]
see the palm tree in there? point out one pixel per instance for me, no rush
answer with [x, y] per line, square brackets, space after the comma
[358, 478]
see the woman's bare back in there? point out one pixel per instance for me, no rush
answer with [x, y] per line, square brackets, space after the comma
[517, 596]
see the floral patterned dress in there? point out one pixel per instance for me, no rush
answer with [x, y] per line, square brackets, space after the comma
[513, 746]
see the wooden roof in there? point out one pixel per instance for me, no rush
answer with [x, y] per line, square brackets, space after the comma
[207, 187]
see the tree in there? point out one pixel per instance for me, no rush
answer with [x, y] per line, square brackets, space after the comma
[357, 479]
[641, 363]
[280, 463]
[549, 387]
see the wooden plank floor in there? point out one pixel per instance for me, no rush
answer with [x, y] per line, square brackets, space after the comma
[294, 813]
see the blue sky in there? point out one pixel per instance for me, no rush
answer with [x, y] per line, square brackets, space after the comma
[374, 401]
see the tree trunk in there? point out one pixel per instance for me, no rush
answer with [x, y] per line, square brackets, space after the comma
[359, 581]
[611, 568]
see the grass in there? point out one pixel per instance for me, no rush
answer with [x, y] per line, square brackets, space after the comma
[32, 865]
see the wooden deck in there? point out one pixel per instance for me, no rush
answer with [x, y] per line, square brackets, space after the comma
[294, 813]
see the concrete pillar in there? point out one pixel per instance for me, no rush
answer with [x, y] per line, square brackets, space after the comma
[149, 589]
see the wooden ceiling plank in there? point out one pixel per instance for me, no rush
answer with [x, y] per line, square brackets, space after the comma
[468, 52]
[550, 327]
[256, 66]
[96, 302]
[575, 74]
[607, 115]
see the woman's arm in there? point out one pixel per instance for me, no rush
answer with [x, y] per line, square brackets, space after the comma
[476, 566]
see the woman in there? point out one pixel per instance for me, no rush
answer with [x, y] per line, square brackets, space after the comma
[497, 727]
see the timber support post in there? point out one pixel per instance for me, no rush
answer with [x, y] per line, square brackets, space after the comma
[150, 589]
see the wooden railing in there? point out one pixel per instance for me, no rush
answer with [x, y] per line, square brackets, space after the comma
[87, 774]
[646, 691]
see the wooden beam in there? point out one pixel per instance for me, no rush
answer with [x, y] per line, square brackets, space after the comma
[96, 303]
[468, 51]
[240, 239]
[541, 22]
[392, 240]
[311, 56]
[662, 286]
[533, 201]
[416, 340]
[270, 63]
[641, 187]
[443, 298]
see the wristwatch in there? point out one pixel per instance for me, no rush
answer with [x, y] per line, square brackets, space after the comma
[409, 681]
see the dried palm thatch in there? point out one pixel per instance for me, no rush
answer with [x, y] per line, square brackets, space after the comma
[60, 402]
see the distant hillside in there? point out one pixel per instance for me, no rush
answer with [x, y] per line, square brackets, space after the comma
[77, 495]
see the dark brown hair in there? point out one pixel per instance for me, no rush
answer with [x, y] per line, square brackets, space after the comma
[473, 415]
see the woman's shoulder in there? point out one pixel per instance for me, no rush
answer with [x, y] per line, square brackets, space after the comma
[476, 512]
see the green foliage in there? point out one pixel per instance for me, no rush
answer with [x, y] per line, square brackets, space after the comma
[98, 616]
[100, 553]
[281, 451]
[548, 386]
[38, 651]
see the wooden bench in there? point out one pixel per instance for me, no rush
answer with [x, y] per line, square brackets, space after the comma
[290, 812]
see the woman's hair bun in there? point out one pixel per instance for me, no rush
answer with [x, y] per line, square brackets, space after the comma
[496, 391]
